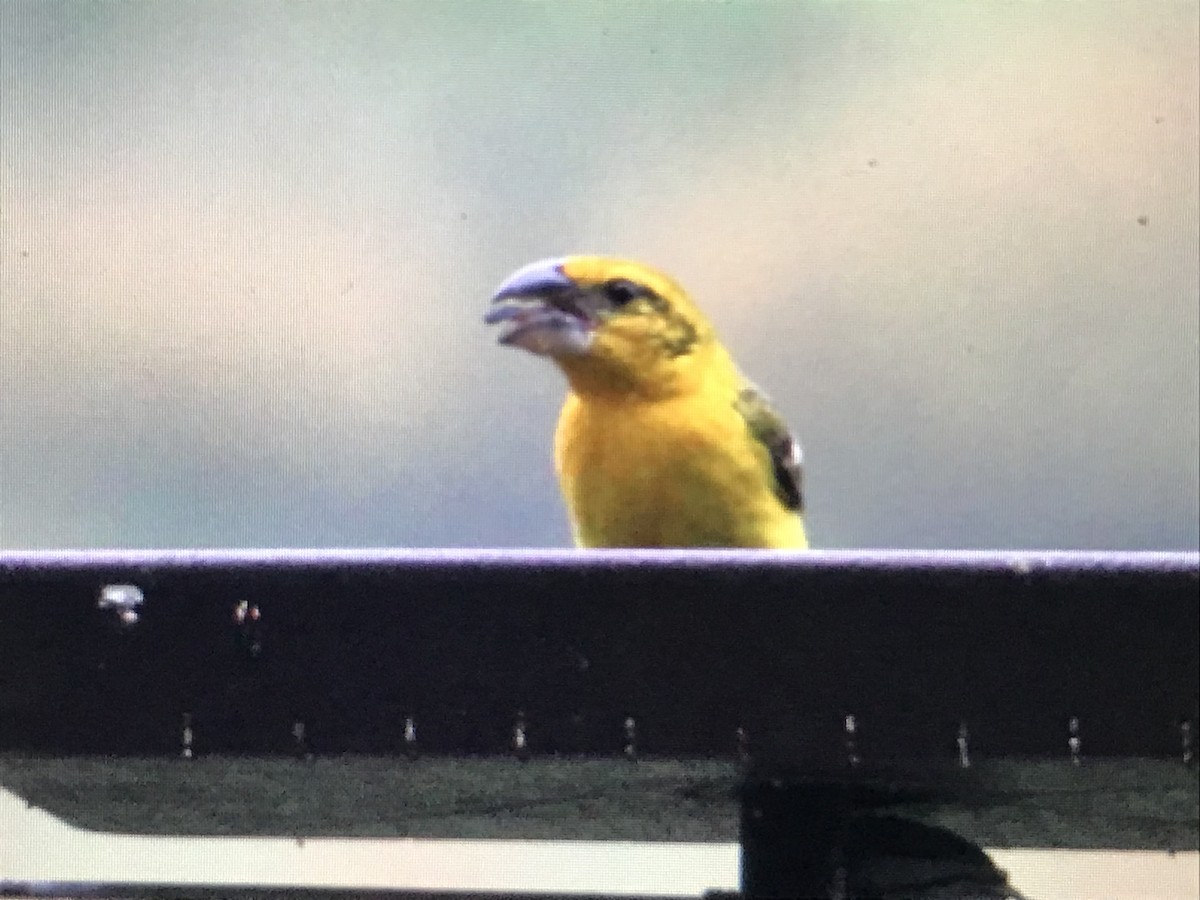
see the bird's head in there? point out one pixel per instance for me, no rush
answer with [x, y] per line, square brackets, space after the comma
[614, 326]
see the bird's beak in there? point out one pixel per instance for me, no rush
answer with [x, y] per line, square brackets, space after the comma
[538, 306]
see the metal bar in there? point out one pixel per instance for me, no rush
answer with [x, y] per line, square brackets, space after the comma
[706, 651]
[17, 562]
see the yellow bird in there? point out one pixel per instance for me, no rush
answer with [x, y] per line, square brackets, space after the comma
[662, 442]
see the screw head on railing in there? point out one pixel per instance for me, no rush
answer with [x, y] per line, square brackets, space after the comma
[1074, 741]
[186, 737]
[124, 601]
[964, 748]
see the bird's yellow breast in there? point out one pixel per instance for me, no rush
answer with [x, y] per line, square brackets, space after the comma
[675, 472]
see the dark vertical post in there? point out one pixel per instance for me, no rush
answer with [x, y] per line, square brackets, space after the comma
[793, 836]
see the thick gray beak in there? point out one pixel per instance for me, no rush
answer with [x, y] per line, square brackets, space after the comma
[535, 306]
[534, 281]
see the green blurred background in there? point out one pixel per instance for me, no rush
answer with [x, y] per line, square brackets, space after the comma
[245, 249]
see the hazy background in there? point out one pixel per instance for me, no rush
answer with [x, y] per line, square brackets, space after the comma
[245, 249]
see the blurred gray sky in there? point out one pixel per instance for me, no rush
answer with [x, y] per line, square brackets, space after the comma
[245, 249]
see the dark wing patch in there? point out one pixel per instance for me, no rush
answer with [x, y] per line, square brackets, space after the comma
[769, 429]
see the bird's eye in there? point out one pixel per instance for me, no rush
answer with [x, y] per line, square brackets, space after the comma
[620, 291]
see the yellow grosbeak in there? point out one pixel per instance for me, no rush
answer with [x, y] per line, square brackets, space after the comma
[661, 442]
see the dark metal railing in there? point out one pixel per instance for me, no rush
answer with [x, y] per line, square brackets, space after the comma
[834, 676]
